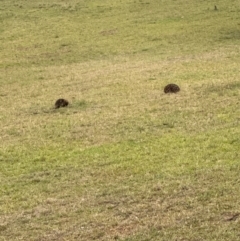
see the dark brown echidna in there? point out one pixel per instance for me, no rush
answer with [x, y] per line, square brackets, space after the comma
[61, 103]
[171, 88]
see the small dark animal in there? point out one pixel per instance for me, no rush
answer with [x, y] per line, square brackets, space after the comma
[171, 88]
[215, 8]
[61, 103]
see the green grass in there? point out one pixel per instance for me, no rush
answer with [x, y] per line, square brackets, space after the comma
[123, 161]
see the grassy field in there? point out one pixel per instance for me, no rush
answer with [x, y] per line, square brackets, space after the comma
[123, 161]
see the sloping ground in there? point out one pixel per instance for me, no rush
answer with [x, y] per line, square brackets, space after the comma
[123, 161]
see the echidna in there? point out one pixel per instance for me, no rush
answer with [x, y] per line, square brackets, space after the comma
[171, 88]
[61, 103]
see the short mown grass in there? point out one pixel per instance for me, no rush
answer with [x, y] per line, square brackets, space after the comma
[123, 161]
